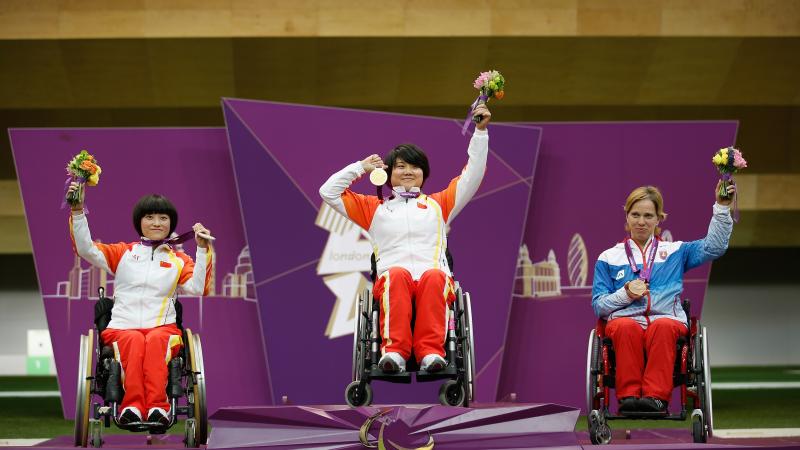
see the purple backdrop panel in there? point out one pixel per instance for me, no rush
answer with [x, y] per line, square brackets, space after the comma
[585, 171]
[190, 166]
[310, 263]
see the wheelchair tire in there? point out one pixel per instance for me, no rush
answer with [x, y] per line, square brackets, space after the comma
[470, 372]
[198, 388]
[95, 427]
[599, 431]
[592, 354]
[82, 401]
[698, 430]
[358, 334]
[452, 393]
[355, 395]
[189, 433]
[704, 388]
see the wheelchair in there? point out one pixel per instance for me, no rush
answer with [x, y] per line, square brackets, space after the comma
[99, 375]
[459, 387]
[691, 373]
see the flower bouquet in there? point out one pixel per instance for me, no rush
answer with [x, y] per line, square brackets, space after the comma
[82, 168]
[490, 85]
[728, 161]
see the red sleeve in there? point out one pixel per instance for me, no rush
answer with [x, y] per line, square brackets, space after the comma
[113, 253]
[447, 198]
[360, 208]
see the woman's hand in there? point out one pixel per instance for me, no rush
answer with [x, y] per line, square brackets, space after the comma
[483, 111]
[372, 162]
[199, 228]
[74, 186]
[726, 200]
[633, 296]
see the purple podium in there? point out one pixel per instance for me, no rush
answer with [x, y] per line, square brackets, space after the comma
[395, 427]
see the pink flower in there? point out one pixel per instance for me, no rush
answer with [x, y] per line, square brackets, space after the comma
[482, 80]
[738, 160]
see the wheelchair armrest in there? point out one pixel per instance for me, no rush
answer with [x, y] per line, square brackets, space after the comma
[106, 353]
[102, 313]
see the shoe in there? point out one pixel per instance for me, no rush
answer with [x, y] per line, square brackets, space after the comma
[158, 415]
[629, 404]
[652, 404]
[129, 415]
[392, 362]
[432, 363]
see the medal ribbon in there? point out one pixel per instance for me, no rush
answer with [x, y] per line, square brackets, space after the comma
[169, 241]
[647, 265]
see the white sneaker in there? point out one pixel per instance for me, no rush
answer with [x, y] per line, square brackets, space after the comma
[392, 362]
[433, 363]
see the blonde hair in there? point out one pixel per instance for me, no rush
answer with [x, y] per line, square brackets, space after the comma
[646, 193]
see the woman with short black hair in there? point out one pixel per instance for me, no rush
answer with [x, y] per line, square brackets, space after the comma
[147, 275]
[409, 237]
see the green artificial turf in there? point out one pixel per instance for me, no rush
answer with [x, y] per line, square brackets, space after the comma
[24, 383]
[755, 374]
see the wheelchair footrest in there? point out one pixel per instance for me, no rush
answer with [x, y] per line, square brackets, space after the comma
[399, 377]
[646, 415]
[446, 373]
[151, 427]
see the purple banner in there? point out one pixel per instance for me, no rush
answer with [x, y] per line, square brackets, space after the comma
[192, 168]
[310, 263]
[584, 174]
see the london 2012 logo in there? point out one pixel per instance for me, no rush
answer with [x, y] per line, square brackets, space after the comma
[384, 443]
[342, 266]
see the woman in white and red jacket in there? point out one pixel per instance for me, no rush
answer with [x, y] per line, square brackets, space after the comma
[147, 275]
[408, 232]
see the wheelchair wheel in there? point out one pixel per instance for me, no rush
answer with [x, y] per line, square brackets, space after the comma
[452, 393]
[704, 381]
[82, 402]
[198, 388]
[96, 430]
[470, 351]
[189, 433]
[358, 334]
[592, 373]
[698, 429]
[358, 394]
[599, 431]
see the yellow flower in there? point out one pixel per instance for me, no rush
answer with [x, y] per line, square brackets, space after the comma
[93, 179]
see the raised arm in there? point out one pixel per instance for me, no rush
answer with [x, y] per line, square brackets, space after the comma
[104, 256]
[463, 187]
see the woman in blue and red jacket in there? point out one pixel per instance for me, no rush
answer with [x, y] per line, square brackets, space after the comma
[636, 288]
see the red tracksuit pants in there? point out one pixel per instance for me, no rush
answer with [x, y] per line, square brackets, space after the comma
[144, 354]
[397, 291]
[634, 377]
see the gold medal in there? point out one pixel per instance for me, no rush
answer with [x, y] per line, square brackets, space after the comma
[637, 287]
[378, 177]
